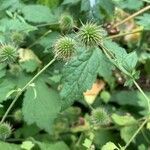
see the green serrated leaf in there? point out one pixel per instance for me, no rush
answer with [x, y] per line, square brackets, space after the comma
[43, 108]
[80, 73]
[144, 21]
[131, 4]
[132, 98]
[37, 14]
[119, 53]
[16, 25]
[130, 61]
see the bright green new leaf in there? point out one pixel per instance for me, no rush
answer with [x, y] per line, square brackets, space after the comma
[123, 120]
[109, 146]
[144, 21]
[27, 145]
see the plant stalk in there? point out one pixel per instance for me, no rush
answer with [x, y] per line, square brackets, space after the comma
[132, 16]
[136, 133]
[24, 88]
[123, 34]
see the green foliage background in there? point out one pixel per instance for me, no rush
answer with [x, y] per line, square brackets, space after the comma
[54, 113]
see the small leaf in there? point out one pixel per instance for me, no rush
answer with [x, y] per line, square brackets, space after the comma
[5, 88]
[130, 61]
[27, 145]
[109, 146]
[144, 21]
[87, 143]
[123, 120]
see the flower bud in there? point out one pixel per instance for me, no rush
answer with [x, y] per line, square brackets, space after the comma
[66, 22]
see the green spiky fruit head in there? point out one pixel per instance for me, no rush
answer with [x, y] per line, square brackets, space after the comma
[18, 115]
[5, 130]
[17, 37]
[15, 69]
[90, 34]
[8, 53]
[66, 22]
[99, 117]
[64, 47]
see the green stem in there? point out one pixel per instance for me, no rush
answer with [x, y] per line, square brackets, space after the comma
[135, 134]
[105, 50]
[132, 16]
[142, 92]
[45, 34]
[24, 88]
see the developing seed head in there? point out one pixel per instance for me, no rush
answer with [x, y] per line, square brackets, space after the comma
[18, 115]
[5, 130]
[17, 37]
[66, 22]
[91, 34]
[99, 117]
[64, 47]
[8, 53]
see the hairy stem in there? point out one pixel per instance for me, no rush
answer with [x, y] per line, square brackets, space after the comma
[24, 88]
[132, 16]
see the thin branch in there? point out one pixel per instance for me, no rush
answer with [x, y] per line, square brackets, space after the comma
[132, 16]
[123, 34]
[45, 34]
[135, 134]
[145, 96]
